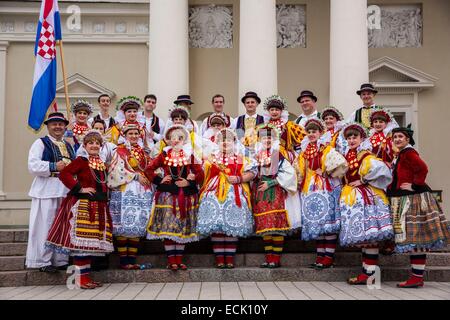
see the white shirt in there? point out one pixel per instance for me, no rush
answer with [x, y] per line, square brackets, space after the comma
[391, 125]
[43, 186]
[91, 120]
[148, 126]
[303, 118]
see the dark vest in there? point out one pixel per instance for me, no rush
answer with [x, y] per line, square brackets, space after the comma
[51, 151]
[240, 124]
[156, 128]
[112, 122]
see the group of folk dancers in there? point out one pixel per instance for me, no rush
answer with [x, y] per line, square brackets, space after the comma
[357, 181]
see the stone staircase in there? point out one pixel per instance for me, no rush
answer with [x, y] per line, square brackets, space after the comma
[296, 259]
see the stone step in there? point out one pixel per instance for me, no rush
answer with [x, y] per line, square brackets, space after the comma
[249, 245]
[13, 249]
[343, 259]
[12, 263]
[13, 235]
[36, 278]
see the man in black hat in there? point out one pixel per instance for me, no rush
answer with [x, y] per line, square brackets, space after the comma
[307, 101]
[184, 102]
[48, 156]
[367, 94]
[245, 124]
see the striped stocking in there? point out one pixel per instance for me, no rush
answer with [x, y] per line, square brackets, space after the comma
[278, 242]
[133, 244]
[268, 247]
[169, 247]
[320, 249]
[371, 261]
[122, 249]
[330, 248]
[179, 249]
[84, 265]
[418, 261]
[218, 242]
[230, 249]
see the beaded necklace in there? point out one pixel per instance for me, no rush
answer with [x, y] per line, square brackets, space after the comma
[137, 154]
[278, 123]
[95, 163]
[175, 159]
[222, 160]
[377, 139]
[352, 159]
[79, 129]
[264, 158]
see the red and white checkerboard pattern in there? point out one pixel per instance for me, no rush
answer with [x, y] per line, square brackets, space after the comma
[46, 44]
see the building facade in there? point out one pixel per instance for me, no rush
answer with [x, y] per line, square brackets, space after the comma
[204, 47]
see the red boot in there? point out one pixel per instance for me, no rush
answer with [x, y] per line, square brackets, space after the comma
[358, 280]
[229, 260]
[275, 263]
[220, 262]
[412, 282]
[172, 263]
[318, 261]
[268, 260]
[326, 262]
[179, 261]
[86, 282]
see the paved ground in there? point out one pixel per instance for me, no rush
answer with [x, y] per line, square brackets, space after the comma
[230, 291]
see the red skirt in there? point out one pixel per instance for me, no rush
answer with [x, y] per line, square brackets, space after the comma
[269, 211]
[81, 227]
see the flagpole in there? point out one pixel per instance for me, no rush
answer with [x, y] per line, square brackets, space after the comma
[66, 90]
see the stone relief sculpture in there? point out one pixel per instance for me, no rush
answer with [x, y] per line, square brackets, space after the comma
[210, 26]
[291, 26]
[401, 27]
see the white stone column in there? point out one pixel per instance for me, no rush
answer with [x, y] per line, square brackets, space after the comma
[349, 55]
[168, 74]
[257, 49]
[3, 51]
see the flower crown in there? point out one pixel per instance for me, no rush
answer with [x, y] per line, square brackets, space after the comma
[79, 104]
[129, 100]
[275, 100]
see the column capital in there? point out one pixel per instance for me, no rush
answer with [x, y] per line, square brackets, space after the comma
[4, 45]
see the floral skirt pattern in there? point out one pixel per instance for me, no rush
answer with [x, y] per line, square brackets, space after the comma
[226, 217]
[366, 221]
[130, 210]
[320, 213]
[168, 223]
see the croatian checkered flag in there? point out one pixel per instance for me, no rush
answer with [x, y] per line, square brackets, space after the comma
[44, 81]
